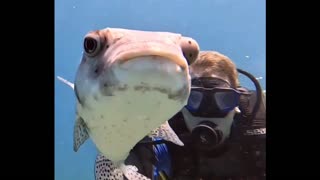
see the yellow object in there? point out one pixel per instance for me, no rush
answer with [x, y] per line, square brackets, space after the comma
[162, 176]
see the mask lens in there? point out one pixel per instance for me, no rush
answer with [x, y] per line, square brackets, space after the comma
[226, 100]
[194, 100]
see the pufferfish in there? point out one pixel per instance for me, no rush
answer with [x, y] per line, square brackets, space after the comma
[128, 84]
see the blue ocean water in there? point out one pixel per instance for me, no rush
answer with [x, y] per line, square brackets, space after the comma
[232, 27]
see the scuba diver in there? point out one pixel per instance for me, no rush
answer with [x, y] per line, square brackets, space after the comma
[222, 127]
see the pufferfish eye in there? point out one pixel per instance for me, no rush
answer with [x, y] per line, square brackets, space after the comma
[91, 45]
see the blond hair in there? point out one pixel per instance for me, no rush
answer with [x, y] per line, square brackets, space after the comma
[211, 63]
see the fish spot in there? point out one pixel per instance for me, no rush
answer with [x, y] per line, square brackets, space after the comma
[125, 120]
[101, 116]
[123, 87]
[189, 42]
[162, 90]
[143, 83]
[106, 90]
[137, 88]
[174, 96]
[142, 88]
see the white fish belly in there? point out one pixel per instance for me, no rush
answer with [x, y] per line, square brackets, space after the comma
[117, 122]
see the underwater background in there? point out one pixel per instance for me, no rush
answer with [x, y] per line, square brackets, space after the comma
[234, 28]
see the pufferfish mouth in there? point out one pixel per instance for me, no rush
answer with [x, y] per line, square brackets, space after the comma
[151, 49]
[143, 75]
[151, 72]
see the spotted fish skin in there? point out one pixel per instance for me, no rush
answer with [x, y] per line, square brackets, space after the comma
[165, 132]
[80, 133]
[106, 170]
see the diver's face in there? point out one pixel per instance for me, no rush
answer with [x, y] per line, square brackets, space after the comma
[223, 124]
[213, 103]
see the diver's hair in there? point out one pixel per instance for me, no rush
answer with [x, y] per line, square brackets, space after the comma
[211, 63]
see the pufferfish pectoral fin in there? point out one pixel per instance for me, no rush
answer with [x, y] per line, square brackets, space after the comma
[80, 134]
[166, 133]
